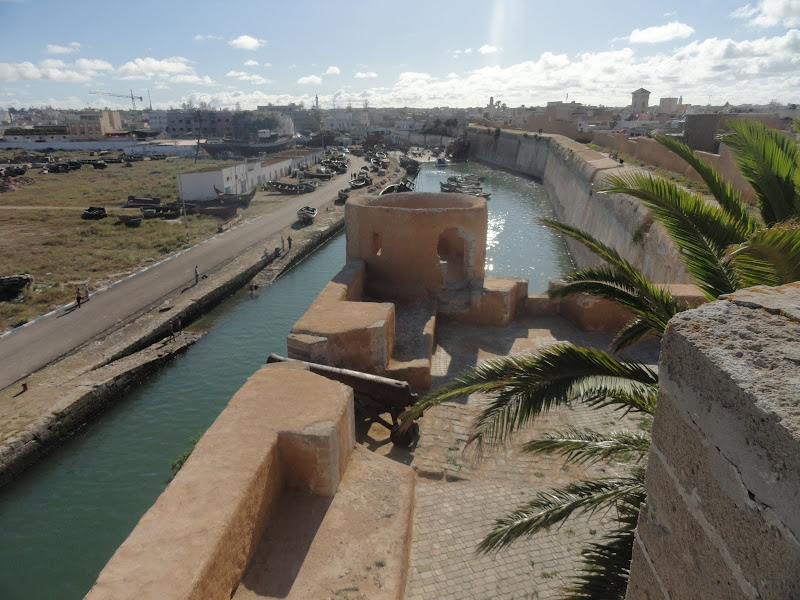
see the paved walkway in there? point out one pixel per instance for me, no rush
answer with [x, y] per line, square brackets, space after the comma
[458, 499]
[45, 340]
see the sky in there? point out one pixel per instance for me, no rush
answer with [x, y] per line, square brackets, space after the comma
[403, 53]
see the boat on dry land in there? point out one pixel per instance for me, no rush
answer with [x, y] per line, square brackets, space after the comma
[94, 213]
[306, 214]
[141, 201]
[223, 212]
[360, 182]
[396, 188]
[303, 187]
[344, 194]
[133, 222]
[12, 285]
[128, 218]
[242, 200]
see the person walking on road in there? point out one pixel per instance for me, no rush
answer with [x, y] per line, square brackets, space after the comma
[78, 295]
[289, 239]
[196, 275]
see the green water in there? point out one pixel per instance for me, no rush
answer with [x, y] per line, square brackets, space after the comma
[62, 521]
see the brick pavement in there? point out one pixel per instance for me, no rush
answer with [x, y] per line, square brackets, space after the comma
[458, 497]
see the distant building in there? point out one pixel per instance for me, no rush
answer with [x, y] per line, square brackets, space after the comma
[186, 123]
[668, 106]
[640, 100]
[94, 124]
[156, 119]
[43, 133]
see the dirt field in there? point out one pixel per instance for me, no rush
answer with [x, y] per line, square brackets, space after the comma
[42, 233]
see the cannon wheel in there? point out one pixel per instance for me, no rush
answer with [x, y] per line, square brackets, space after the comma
[404, 439]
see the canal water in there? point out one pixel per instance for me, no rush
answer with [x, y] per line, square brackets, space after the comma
[62, 521]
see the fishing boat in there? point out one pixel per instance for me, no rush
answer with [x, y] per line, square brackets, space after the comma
[322, 176]
[11, 285]
[160, 212]
[224, 212]
[99, 164]
[396, 188]
[141, 201]
[344, 194]
[94, 213]
[306, 214]
[441, 162]
[133, 222]
[242, 200]
[364, 170]
[360, 182]
[179, 206]
[128, 218]
[290, 188]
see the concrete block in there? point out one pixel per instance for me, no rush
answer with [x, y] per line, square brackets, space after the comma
[643, 583]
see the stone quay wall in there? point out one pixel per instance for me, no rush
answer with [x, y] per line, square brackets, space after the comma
[721, 518]
[572, 175]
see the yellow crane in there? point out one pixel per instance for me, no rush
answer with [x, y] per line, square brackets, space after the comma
[131, 96]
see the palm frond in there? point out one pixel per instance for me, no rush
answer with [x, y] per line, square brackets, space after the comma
[522, 387]
[618, 282]
[769, 161]
[587, 446]
[770, 256]
[701, 231]
[724, 193]
[606, 564]
[554, 506]
[633, 332]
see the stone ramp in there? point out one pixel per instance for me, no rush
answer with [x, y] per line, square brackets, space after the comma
[354, 545]
[415, 325]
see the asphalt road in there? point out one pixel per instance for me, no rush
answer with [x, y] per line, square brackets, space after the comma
[30, 348]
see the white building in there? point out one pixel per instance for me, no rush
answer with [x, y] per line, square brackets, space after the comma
[235, 179]
[347, 122]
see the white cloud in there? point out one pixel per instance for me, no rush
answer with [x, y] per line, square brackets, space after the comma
[251, 63]
[458, 53]
[200, 37]
[662, 33]
[193, 79]
[54, 69]
[768, 13]
[310, 80]
[54, 49]
[267, 65]
[243, 76]
[366, 75]
[487, 49]
[147, 68]
[247, 42]
[333, 71]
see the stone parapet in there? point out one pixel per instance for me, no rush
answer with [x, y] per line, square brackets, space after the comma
[721, 518]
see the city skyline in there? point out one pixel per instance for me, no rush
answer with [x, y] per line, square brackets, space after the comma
[385, 54]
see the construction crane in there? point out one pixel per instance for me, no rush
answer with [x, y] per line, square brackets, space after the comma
[131, 96]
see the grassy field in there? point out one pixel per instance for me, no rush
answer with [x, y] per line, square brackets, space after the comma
[42, 233]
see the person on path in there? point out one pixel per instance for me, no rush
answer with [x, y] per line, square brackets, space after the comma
[78, 296]
[289, 239]
[196, 275]
[172, 329]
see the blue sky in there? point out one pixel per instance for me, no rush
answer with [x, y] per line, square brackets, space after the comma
[403, 53]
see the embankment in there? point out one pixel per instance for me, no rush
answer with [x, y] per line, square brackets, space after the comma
[64, 396]
[572, 175]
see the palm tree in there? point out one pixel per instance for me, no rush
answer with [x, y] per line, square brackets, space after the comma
[722, 246]
[723, 249]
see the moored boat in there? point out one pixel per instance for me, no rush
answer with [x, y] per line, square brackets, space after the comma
[441, 162]
[140, 201]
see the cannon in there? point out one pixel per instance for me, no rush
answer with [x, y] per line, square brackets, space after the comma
[374, 396]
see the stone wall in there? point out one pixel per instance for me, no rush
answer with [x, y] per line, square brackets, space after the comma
[572, 174]
[721, 518]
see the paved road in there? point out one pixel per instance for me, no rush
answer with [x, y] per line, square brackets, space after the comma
[30, 348]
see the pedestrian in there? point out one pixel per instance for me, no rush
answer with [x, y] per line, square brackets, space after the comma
[196, 275]
[283, 245]
[78, 296]
[289, 239]
[172, 329]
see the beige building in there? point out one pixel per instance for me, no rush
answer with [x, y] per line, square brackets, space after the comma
[640, 100]
[94, 124]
